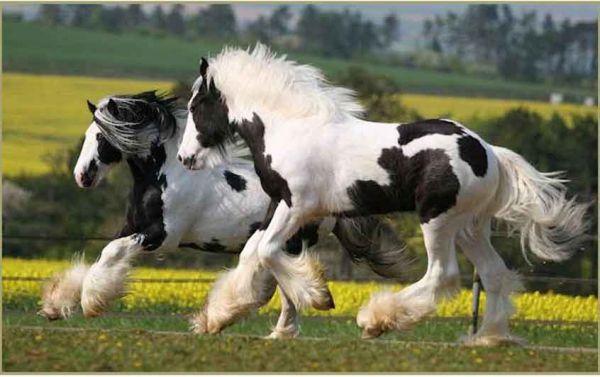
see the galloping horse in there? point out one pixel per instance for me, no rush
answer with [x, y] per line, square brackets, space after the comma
[316, 157]
[214, 210]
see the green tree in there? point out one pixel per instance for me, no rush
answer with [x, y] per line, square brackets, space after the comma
[82, 15]
[113, 19]
[279, 21]
[175, 22]
[52, 14]
[157, 19]
[136, 17]
[259, 29]
[390, 31]
[216, 20]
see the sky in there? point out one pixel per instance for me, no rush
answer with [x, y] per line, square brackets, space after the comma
[411, 14]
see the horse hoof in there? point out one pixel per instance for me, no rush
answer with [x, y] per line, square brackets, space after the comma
[50, 315]
[282, 334]
[92, 313]
[326, 303]
[371, 333]
[493, 341]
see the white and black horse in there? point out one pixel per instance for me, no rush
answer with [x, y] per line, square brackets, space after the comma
[213, 210]
[316, 157]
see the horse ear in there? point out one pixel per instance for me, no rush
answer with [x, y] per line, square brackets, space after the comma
[212, 88]
[203, 67]
[91, 107]
[112, 107]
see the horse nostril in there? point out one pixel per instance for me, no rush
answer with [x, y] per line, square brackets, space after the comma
[86, 179]
[179, 158]
[189, 162]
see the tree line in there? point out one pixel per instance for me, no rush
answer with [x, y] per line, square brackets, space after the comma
[518, 47]
[343, 34]
[490, 38]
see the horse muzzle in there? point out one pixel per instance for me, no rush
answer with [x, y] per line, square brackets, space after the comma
[85, 180]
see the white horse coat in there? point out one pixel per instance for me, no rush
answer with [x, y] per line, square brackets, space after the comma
[213, 210]
[316, 157]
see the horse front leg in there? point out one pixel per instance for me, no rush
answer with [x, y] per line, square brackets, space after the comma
[301, 278]
[236, 292]
[105, 279]
[61, 295]
[94, 286]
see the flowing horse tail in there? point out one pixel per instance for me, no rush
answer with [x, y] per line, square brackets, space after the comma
[535, 204]
[371, 240]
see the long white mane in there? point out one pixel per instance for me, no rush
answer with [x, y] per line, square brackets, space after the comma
[260, 80]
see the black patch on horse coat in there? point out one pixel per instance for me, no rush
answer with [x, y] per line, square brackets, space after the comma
[272, 182]
[236, 181]
[473, 153]
[308, 232]
[191, 245]
[424, 182]
[411, 131]
[269, 215]
[107, 154]
[253, 228]
[145, 206]
[213, 246]
[210, 114]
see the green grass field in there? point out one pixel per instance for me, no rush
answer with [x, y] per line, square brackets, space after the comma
[46, 114]
[145, 336]
[35, 48]
[162, 343]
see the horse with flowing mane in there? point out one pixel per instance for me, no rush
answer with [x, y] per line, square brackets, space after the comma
[316, 157]
[213, 210]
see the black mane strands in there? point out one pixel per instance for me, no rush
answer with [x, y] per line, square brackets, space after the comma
[132, 123]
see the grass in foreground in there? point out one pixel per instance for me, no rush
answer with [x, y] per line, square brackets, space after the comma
[134, 349]
[433, 329]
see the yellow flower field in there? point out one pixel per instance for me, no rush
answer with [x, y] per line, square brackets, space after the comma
[46, 113]
[463, 109]
[349, 296]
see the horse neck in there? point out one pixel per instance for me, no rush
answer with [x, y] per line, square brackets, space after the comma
[144, 168]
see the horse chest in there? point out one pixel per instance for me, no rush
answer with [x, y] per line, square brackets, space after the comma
[145, 212]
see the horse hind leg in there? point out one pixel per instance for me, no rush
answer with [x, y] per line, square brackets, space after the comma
[498, 281]
[287, 324]
[400, 311]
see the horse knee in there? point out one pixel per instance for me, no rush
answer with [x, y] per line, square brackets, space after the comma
[267, 251]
